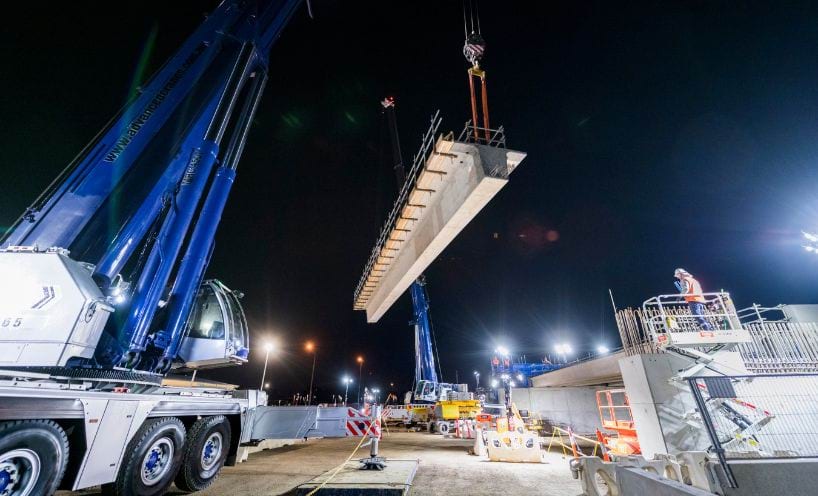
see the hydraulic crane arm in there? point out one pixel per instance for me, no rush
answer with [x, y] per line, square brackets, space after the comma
[141, 204]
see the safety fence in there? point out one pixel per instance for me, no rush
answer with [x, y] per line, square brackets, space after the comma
[781, 347]
[760, 416]
[777, 347]
[570, 444]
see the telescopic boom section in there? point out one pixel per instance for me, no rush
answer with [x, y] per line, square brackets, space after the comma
[141, 204]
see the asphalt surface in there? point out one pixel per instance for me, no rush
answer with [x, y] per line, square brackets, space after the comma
[445, 468]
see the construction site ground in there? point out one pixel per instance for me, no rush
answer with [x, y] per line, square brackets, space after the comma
[445, 468]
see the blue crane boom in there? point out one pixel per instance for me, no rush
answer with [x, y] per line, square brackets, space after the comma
[140, 205]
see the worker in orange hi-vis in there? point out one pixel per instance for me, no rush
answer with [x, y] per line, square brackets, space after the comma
[692, 291]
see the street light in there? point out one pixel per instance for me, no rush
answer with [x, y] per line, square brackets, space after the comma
[310, 347]
[268, 347]
[346, 380]
[563, 349]
[360, 361]
[377, 393]
[494, 383]
[602, 349]
[502, 350]
[477, 380]
[812, 239]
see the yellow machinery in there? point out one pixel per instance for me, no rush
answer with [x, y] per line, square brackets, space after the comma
[457, 409]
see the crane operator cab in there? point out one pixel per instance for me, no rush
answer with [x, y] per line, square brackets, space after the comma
[432, 391]
[217, 329]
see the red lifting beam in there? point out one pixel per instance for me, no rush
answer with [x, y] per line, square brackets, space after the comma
[476, 72]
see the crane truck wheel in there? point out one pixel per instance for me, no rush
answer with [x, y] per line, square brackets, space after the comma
[151, 459]
[33, 457]
[206, 447]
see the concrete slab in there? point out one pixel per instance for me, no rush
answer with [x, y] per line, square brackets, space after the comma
[602, 371]
[394, 480]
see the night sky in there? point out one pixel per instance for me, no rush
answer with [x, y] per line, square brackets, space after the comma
[659, 135]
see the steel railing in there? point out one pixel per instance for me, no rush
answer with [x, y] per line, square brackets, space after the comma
[777, 347]
[482, 135]
[427, 146]
[781, 347]
[671, 313]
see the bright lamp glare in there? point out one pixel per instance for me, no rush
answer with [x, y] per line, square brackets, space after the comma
[563, 348]
[494, 383]
[602, 349]
[268, 347]
[520, 377]
[502, 350]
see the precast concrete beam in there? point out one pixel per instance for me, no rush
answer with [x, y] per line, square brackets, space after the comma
[458, 179]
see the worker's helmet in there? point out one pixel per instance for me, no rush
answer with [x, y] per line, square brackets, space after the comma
[680, 272]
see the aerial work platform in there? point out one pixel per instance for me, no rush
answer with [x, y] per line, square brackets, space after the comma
[450, 181]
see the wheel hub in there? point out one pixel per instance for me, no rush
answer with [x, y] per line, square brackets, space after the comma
[157, 461]
[19, 472]
[5, 480]
[212, 450]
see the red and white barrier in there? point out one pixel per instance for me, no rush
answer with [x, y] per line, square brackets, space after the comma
[464, 429]
[359, 424]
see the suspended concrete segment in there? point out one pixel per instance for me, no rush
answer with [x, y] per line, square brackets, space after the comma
[451, 180]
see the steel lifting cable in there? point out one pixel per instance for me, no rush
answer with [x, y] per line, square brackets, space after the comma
[434, 342]
[474, 13]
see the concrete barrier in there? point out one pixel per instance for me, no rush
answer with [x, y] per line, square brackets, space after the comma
[513, 447]
[633, 481]
[690, 471]
[793, 477]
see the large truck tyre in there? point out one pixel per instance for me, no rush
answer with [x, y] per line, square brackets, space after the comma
[33, 457]
[206, 448]
[151, 459]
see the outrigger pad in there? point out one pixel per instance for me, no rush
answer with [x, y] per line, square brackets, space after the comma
[373, 463]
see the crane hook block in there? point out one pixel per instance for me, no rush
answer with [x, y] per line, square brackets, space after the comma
[474, 48]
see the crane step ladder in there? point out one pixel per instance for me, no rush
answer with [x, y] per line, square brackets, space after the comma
[703, 337]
